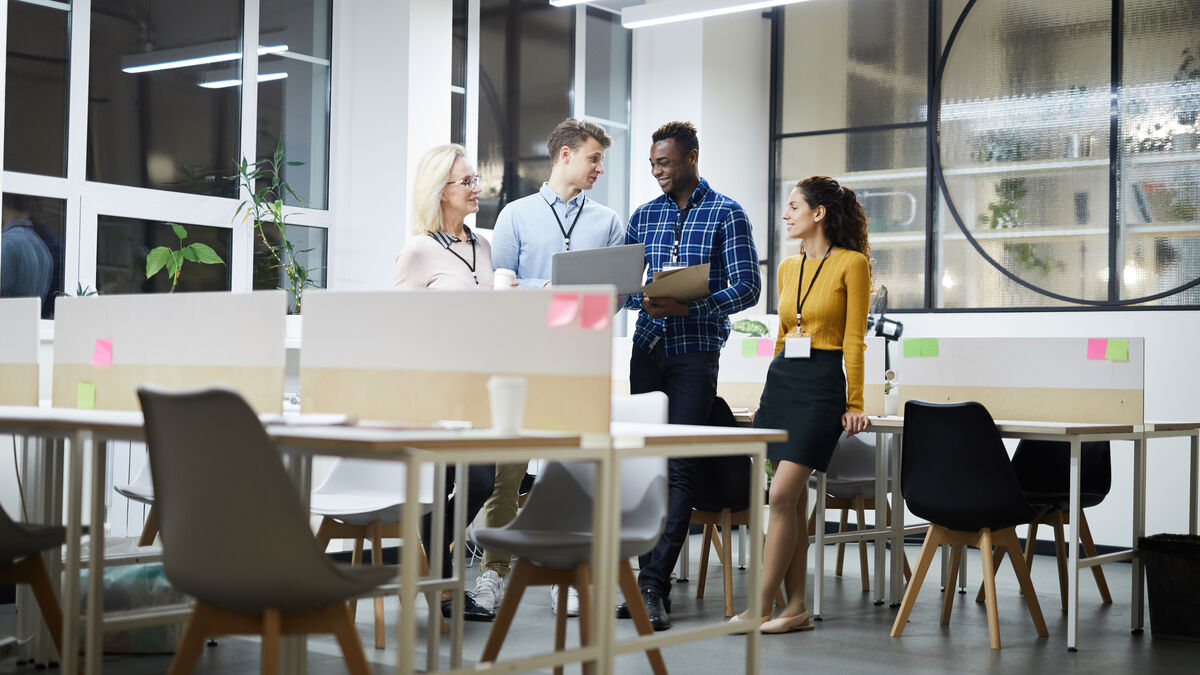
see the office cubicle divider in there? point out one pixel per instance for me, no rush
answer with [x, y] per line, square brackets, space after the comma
[106, 346]
[420, 357]
[18, 351]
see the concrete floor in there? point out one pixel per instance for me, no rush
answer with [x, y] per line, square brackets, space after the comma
[852, 638]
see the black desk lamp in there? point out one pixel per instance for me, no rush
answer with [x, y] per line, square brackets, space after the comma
[888, 329]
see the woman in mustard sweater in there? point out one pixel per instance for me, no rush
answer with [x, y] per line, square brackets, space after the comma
[824, 293]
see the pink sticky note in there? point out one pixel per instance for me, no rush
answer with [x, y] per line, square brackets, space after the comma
[766, 347]
[595, 312]
[102, 354]
[1097, 348]
[563, 307]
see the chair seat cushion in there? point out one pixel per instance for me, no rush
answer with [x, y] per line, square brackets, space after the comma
[359, 509]
[1062, 500]
[26, 539]
[552, 548]
[129, 492]
[341, 583]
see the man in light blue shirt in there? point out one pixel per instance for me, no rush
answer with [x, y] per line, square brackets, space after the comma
[530, 230]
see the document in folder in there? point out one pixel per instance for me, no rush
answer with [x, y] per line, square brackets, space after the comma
[683, 285]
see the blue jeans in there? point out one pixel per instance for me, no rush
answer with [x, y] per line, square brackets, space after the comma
[690, 383]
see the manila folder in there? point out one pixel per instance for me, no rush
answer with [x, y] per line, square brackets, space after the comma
[683, 285]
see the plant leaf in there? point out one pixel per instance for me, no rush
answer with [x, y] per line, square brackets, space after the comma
[291, 163]
[205, 254]
[154, 262]
[175, 263]
[179, 231]
[189, 253]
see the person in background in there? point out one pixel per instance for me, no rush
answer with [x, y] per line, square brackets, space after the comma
[676, 345]
[27, 267]
[824, 294]
[443, 253]
[529, 231]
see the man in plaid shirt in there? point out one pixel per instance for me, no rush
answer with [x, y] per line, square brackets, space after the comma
[676, 345]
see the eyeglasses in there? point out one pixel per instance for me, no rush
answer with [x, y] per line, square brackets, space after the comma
[468, 182]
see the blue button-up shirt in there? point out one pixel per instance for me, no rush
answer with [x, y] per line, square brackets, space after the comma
[716, 231]
[527, 236]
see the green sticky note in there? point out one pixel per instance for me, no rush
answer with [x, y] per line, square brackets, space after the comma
[912, 348]
[1117, 350]
[749, 347]
[929, 347]
[85, 396]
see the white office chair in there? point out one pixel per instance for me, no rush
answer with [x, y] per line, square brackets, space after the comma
[650, 408]
[361, 499]
[142, 490]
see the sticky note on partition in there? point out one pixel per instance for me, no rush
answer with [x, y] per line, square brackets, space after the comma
[766, 347]
[929, 347]
[102, 352]
[1098, 348]
[1117, 350]
[915, 348]
[562, 311]
[749, 347]
[85, 396]
[596, 311]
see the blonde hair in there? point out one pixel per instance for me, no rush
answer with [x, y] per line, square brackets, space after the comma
[433, 172]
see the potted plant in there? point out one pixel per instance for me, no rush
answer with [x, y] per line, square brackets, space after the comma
[172, 260]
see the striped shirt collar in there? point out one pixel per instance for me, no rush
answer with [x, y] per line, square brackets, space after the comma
[445, 239]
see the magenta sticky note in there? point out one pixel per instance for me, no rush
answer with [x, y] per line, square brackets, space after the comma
[596, 312]
[766, 347]
[102, 353]
[1097, 348]
[563, 308]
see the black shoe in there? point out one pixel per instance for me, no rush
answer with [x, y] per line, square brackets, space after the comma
[656, 606]
[472, 611]
[623, 609]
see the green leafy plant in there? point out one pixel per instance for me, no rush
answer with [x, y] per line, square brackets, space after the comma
[162, 257]
[265, 207]
[1187, 74]
[1007, 213]
[751, 327]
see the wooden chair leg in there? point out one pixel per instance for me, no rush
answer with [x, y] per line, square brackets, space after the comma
[560, 624]
[932, 537]
[150, 529]
[272, 625]
[518, 579]
[352, 649]
[637, 610]
[727, 558]
[324, 533]
[1060, 552]
[583, 583]
[376, 530]
[998, 557]
[702, 573]
[860, 524]
[32, 571]
[1089, 548]
[1009, 537]
[188, 651]
[956, 552]
[356, 557]
[989, 588]
[843, 521]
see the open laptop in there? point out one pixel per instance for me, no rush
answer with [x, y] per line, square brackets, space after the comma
[621, 266]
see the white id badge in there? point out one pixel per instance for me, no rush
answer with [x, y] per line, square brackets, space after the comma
[797, 347]
[671, 268]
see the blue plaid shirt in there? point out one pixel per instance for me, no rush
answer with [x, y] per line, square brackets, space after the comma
[715, 230]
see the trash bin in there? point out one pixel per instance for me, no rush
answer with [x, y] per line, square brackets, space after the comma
[1172, 564]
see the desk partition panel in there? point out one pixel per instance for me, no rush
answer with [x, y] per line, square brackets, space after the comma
[106, 346]
[1096, 380]
[18, 351]
[419, 357]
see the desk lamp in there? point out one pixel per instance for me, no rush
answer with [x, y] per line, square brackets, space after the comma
[888, 329]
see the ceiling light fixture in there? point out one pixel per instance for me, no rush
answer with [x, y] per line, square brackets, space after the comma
[233, 82]
[670, 11]
[185, 57]
[567, 3]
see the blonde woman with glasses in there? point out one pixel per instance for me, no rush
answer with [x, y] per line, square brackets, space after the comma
[443, 253]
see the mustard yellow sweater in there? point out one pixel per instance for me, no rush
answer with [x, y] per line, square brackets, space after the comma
[835, 313]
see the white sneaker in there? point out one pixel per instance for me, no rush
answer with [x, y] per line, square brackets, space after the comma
[572, 600]
[489, 590]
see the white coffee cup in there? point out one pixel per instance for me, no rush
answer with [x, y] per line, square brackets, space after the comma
[507, 397]
[502, 279]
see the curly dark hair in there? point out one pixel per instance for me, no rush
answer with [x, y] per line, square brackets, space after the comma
[683, 133]
[845, 220]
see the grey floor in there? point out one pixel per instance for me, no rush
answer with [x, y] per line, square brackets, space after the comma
[852, 638]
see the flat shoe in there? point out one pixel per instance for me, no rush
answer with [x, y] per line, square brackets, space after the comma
[746, 624]
[788, 624]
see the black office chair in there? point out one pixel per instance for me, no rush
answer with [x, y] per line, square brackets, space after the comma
[1043, 469]
[956, 474]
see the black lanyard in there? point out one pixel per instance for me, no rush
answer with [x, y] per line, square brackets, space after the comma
[679, 232]
[470, 265]
[800, 285]
[565, 232]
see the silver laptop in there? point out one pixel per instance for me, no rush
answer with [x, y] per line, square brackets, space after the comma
[621, 266]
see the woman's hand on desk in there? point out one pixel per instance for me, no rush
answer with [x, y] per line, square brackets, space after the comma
[854, 423]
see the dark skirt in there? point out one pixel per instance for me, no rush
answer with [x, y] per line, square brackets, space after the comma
[807, 397]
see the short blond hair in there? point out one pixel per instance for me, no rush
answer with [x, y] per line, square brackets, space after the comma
[433, 172]
[573, 133]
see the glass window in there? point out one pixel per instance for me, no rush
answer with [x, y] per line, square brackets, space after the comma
[525, 70]
[35, 115]
[293, 93]
[123, 244]
[458, 74]
[152, 122]
[31, 249]
[311, 246]
[607, 66]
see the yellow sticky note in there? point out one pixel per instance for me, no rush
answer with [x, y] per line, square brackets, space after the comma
[1117, 350]
[85, 396]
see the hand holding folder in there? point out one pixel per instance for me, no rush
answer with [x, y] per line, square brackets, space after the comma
[683, 285]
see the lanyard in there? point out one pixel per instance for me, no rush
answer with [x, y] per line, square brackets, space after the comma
[800, 285]
[565, 232]
[470, 265]
[679, 233]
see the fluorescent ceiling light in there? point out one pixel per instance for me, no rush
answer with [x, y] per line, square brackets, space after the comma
[184, 57]
[234, 82]
[567, 3]
[670, 11]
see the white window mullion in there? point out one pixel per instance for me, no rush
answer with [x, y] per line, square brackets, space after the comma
[579, 90]
[79, 255]
[242, 272]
